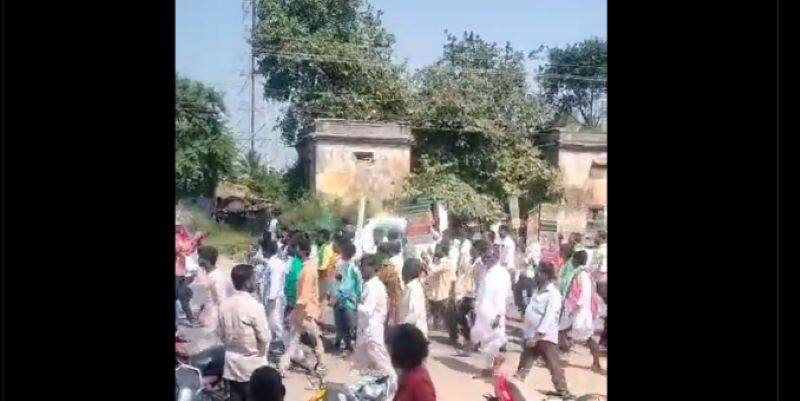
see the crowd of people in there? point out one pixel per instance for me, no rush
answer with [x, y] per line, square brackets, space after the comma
[384, 299]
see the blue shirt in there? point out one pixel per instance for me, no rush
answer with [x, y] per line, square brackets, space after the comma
[348, 290]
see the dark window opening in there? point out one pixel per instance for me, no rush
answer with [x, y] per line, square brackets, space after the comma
[365, 156]
[598, 172]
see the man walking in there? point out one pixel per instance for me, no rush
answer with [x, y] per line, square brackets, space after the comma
[306, 312]
[541, 330]
[275, 299]
[348, 294]
[494, 293]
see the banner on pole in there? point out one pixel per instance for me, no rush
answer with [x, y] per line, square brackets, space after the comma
[548, 240]
[420, 221]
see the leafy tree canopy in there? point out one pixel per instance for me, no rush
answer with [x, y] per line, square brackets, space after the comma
[478, 116]
[204, 150]
[477, 86]
[327, 58]
[441, 182]
[574, 79]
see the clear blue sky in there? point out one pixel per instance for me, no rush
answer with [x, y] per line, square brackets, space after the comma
[210, 42]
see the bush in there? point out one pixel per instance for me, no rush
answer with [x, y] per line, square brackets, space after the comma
[309, 214]
[227, 239]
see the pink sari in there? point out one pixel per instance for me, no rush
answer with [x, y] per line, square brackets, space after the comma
[185, 244]
[574, 294]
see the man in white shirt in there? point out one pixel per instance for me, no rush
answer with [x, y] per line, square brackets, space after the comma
[371, 352]
[412, 308]
[275, 302]
[508, 251]
[541, 331]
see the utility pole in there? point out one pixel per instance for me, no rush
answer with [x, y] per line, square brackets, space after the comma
[252, 77]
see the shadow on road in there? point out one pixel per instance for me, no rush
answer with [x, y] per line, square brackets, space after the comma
[440, 339]
[572, 365]
[457, 365]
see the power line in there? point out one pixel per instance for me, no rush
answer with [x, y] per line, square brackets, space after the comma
[571, 77]
[252, 78]
[574, 65]
[324, 58]
[373, 46]
[351, 44]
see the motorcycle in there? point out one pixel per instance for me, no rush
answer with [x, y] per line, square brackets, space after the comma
[307, 359]
[198, 377]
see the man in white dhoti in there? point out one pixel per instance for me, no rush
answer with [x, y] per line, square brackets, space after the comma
[370, 351]
[494, 294]
[581, 309]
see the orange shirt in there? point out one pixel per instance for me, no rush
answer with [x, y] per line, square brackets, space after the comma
[308, 291]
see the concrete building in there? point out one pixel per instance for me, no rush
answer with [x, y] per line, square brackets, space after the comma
[582, 158]
[349, 159]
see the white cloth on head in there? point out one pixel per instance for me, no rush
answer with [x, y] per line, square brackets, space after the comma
[412, 309]
[494, 294]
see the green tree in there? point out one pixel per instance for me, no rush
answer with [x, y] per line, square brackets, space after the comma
[574, 79]
[204, 150]
[442, 182]
[265, 181]
[327, 58]
[479, 115]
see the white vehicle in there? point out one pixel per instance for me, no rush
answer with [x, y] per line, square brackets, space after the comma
[365, 240]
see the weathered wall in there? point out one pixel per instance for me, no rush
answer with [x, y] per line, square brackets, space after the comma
[571, 219]
[575, 166]
[338, 174]
[582, 161]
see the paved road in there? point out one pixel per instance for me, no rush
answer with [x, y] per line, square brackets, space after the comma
[452, 373]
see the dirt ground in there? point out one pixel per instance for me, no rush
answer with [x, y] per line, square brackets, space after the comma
[452, 373]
